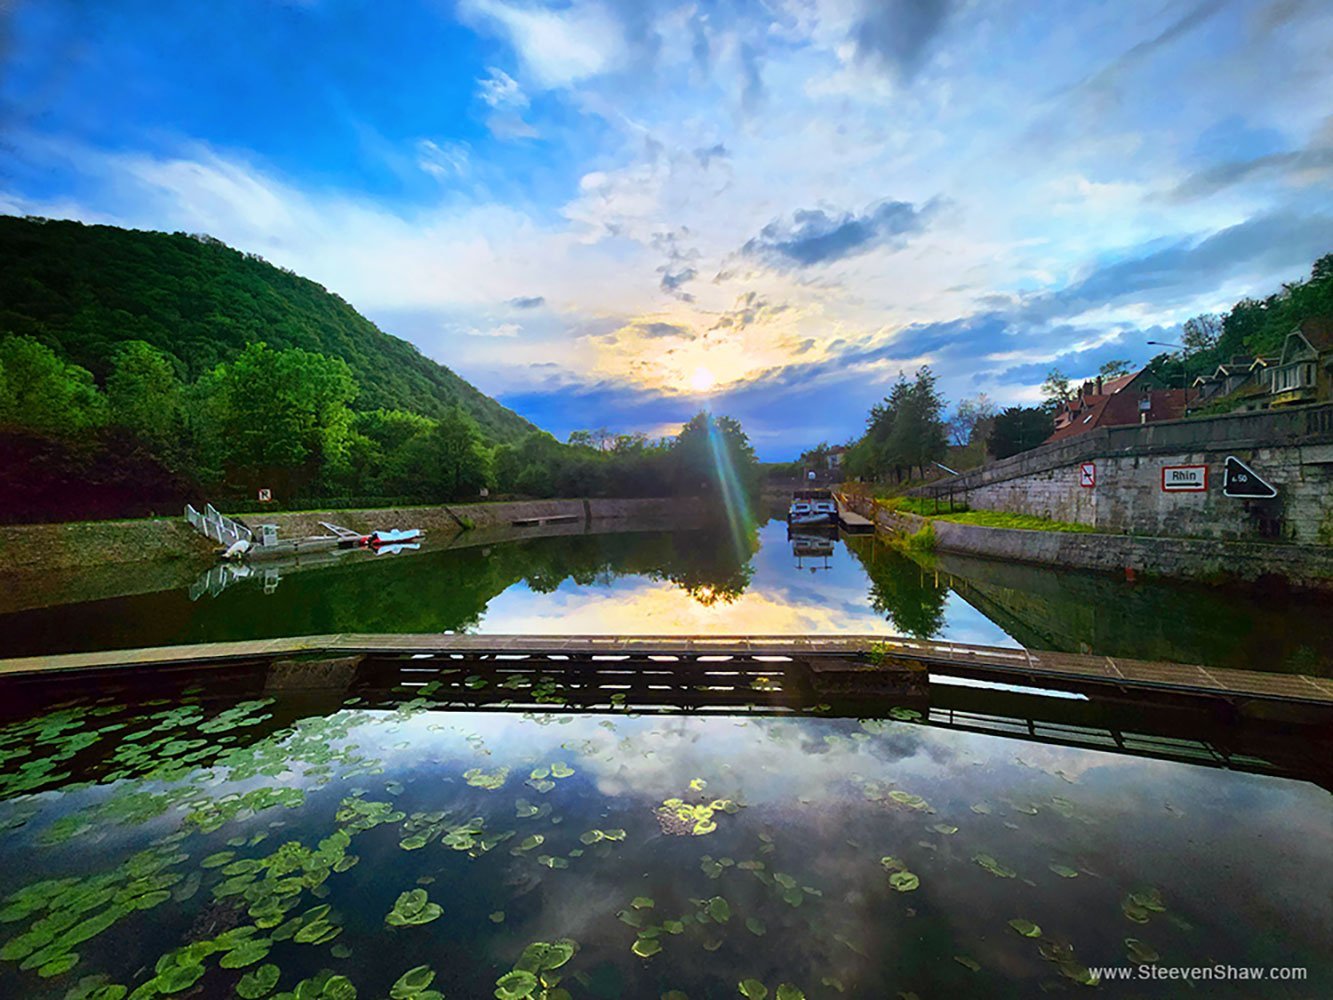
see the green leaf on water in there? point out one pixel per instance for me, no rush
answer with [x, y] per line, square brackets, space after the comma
[904, 881]
[412, 908]
[947, 829]
[993, 866]
[219, 859]
[1064, 871]
[756, 926]
[642, 903]
[968, 963]
[892, 864]
[646, 947]
[787, 991]
[538, 773]
[338, 988]
[753, 989]
[413, 981]
[498, 917]
[515, 985]
[1148, 899]
[1025, 927]
[176, 978]
[258, 983]
[561, 770]
[528, 843]
[247, 953]
[981, 809]
[719, 909]
[58, 966]
[1140, 953]
[340, 950]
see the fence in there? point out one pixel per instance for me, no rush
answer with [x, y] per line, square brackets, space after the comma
[217, 527]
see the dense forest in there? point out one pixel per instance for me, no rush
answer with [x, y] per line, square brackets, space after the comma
[84, 290]
[128, 386]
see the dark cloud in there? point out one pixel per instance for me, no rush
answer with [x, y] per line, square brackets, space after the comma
[717, 151]
[674, 281]
[897, 34]
[1305, 166]
[815, 236]
[664, 330]
[528, 302]
[1251, 251]
[749, 308]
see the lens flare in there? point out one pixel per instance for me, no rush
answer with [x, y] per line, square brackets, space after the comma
[702, 380]
[734, 499]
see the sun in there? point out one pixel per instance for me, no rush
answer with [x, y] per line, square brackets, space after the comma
[702, 380]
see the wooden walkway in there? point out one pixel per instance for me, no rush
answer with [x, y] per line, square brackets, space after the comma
[852, 522]
[872, 653]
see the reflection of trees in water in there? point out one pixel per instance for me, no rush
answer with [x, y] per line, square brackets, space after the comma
[900, 589]
[704, 563]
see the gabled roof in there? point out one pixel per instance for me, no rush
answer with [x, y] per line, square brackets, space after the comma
[1318, 332]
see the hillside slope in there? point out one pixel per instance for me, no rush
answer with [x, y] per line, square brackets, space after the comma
[82, 289]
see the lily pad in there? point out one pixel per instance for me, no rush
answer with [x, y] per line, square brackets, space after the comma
[719, 909]
[515, 985]
[561, 770]
[258, 983]
[786, 991]
[753, 989]
[968, 963]
[1025, 927]
[414, 981]
[947, 829]
[1064, 871]
[993, 866]
[642, 903]
[756, 926]
[646, 947]
[1140, 953]
[413, 908]
[246, 953]
[904, 881]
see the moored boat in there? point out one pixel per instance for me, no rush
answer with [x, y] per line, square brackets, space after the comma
[810, 507]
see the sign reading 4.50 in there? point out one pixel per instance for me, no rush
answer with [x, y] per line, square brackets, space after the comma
[1239, 480]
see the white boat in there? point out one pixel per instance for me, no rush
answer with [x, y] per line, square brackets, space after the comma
[812, 507]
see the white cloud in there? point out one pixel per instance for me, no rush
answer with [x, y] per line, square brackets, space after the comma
[444, 160]
[500, 90]
[558, 47]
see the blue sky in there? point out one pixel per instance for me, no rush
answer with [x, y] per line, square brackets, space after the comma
[611, 213]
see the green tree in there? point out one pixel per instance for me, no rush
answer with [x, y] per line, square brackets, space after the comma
[144, 394]
[972, 420]
[1055, 389]
[1019, 428]
[1113, 369]
[713, 454]
[280, 416]
[43, 393]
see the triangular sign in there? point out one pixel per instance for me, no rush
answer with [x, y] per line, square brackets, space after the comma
[1239, 480]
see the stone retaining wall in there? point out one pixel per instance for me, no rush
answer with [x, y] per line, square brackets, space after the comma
[1187, 558]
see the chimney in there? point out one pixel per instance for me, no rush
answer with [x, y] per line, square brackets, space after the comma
[1099, 385]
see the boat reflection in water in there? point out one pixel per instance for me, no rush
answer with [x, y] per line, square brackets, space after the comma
[812, 542]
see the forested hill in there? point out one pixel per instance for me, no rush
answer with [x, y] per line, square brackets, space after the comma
[84, 289]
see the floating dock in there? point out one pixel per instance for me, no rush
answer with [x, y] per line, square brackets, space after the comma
[852, 522]
[862, 657]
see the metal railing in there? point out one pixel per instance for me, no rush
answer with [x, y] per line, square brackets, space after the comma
[216, 526]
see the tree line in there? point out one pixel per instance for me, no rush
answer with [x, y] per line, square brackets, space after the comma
[282, 419]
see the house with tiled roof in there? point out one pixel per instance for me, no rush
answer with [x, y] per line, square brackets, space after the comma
[1136, 398]
[1304, 373]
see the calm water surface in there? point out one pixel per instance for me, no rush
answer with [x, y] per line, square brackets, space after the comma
[197, 845]
[695, 581]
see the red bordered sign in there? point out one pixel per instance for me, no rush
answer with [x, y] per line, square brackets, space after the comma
[1184, 479]
[1087, 475]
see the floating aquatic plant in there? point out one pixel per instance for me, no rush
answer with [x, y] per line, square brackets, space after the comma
[489, 780]
[413, 908]
[993, 866]
[1064, 871]
[1025, 927]
[1140, 953]
[904, 881]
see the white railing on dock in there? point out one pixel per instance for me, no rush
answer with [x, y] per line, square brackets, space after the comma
[216, 526]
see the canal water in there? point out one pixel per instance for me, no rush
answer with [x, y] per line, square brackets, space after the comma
[214, 844]
[443, 833]
[695, 582]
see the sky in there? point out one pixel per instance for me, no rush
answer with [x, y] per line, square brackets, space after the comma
[614, 213]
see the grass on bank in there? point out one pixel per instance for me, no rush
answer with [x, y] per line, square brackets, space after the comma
[961, 514]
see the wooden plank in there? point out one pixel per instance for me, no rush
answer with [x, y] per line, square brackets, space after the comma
[986, 662]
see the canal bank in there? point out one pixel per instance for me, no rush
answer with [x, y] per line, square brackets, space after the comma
[1203, 559]
[47, 564]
